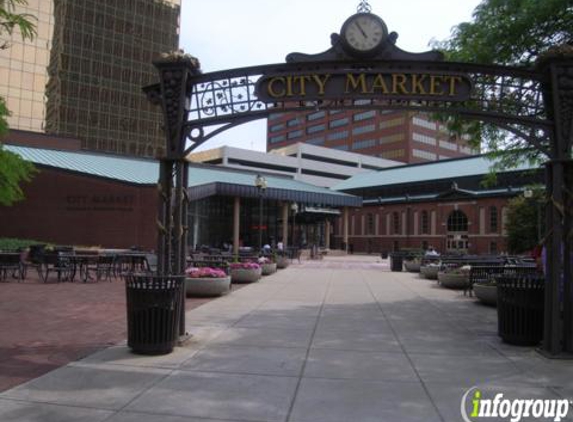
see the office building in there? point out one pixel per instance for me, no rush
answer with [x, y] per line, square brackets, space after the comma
[408, 137]
[81, 77]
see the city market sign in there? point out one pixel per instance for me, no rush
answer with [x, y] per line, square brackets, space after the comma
[385, 85]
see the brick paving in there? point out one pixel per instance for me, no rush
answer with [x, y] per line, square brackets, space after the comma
[46, 325]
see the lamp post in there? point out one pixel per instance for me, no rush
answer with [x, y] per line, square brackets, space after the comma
[261, 185]
[529, 194]
[294, 209]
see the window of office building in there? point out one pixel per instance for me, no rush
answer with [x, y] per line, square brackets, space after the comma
[338, 122]
[316, 128]
[424, 154]
[275, 139]
[395, 153]
[337, 135]
[294, 134]
[315, 141]
[343, 147]
[364, 115]
[316, 115]
[277, 127]
[424, 139]
[293, 122]
[363, 129]
[366, 143]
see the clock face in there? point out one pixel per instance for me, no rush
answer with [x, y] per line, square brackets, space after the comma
[364, 32]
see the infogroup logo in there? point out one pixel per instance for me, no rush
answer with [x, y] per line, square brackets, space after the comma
[513, 410]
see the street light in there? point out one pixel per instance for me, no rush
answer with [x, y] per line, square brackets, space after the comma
[294, 209]
[261, 185]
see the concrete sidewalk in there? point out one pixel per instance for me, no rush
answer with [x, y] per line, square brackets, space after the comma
[348, 342]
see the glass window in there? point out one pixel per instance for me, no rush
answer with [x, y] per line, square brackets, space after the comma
[316, 128]
[363, 129]
[337, 135]
[316, 115]
[364, 115]
[425, 222]
[493, 219]
[457, 221]
[369, 223]
[396, 222]
[294, 134]
[338, 122]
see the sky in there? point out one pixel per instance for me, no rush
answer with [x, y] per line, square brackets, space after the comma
[228, 34]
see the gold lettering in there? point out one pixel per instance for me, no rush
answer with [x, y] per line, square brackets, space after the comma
[399, 81]
[453, 80]
[321, 83]
[354, 82]
[271, 89]
[302, 82]
[418, 84]
[436, 84]
[379, 83]
[289, 92]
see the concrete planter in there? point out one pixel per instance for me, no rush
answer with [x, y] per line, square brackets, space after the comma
[269, 268]
[430, 272]
[282, 262]
[245, 275]
[454, 280]
[412, 265]
[486, 293]
[207, 286]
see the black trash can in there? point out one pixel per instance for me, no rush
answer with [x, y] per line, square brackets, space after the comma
[396, 261]
[520, 307]
[153, 311]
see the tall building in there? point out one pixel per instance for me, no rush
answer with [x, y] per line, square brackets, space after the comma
[408, 137]
[82, 76]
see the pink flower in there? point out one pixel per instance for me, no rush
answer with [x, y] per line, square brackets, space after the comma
[244, 266]
[205, 272]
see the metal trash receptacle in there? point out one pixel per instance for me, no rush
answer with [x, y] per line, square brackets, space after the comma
[153, 311]
[520, 308]
[396, 261]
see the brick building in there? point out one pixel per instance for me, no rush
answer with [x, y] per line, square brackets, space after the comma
[442, 204]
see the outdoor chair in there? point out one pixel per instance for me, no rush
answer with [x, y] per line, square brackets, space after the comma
[59, 263]
[103, 268]
[11, 265]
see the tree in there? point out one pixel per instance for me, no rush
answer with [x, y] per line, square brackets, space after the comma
[13, 169]
[524, 223]
[513, 33]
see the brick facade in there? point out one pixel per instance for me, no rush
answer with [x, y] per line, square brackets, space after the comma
[73, 209]
[383, 228]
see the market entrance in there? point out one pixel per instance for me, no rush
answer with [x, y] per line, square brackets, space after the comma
[364, 69]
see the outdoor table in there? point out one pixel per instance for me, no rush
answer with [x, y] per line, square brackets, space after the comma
[131, 262]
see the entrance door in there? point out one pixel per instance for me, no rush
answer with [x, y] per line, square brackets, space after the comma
[457, 235]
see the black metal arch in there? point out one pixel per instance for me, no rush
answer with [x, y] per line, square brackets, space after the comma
[508, 97]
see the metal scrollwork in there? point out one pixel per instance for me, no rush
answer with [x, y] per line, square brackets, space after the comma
[364, 7]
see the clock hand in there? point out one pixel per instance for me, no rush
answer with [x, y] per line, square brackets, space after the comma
[361, 30]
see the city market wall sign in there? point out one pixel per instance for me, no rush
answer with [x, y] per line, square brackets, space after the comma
[394, 85]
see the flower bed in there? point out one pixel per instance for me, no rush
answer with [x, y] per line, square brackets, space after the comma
[486, 293]
[245, 272]
[206, 281]
[282, 261]
[429, 271]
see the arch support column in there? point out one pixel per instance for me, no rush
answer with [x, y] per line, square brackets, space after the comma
[236, 224]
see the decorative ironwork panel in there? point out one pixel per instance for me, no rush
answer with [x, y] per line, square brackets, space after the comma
[219, 100]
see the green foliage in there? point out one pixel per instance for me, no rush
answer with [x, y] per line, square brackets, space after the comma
[12, 244]
[10, 20]
[525, 221]
[510, 32]
[513, 33]
[13, 169]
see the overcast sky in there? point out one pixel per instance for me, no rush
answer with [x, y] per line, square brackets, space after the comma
[226, 34]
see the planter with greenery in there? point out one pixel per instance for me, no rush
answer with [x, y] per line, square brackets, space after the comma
[245, 272]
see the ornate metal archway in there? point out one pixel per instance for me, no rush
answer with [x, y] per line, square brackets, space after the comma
[533, 103]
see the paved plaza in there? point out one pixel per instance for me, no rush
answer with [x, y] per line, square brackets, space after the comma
[337, 340]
